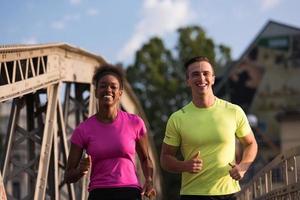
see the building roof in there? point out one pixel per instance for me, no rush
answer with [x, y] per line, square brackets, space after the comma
[270, 29]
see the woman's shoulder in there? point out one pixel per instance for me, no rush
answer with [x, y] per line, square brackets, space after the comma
[88, 121]
[130, 116]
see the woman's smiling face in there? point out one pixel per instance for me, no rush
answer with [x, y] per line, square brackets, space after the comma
[108, 90]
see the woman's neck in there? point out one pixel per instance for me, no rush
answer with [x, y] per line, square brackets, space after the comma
[107, 114]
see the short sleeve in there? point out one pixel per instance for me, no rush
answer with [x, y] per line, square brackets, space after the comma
[172, 136]
[78, 137]
[243, 126]
[140, 128]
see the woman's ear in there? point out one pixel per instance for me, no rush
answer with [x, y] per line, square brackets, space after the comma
[96, 93]
[96, 89]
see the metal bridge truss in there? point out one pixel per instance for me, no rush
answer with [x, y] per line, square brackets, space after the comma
[45, 91]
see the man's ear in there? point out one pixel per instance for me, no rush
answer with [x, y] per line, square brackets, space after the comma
[187, 79]
[187, 82]
[213, 79]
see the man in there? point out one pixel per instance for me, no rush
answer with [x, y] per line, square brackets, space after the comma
[205, 131]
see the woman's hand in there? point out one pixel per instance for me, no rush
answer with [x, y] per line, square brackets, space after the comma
[85, 164]
[76, 166]
[148, 189]
[147, 166]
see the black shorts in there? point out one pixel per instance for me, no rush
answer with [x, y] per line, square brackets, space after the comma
[124, 193]
[215, 197]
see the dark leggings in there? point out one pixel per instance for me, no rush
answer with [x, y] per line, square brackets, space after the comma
[125, 193]
[200, 197]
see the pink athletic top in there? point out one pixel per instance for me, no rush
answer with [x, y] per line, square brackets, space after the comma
[112, 149]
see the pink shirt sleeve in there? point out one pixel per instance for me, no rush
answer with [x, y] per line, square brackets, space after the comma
[141, 128]
[78, 137]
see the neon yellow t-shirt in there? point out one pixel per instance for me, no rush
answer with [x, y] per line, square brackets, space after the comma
[211, 131]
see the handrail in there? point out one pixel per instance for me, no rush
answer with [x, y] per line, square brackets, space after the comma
[279, 178]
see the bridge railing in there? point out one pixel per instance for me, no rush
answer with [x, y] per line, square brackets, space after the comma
[279, 179]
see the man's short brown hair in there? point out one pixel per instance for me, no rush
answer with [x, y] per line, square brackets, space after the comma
[196, 59]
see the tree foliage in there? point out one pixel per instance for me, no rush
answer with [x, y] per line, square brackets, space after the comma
[193, 42]
[158, 79]
[155, 80]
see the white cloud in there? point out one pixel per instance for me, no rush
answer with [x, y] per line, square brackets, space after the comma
[92, 12]
[269, 4]
[30, 40]
[75, 2]
[58, 25]
[159, 18]
[61, 23]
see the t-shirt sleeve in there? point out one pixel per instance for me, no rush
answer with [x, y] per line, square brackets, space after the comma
[172, 136]
[141, 128]
[243, 126]
[78, 137]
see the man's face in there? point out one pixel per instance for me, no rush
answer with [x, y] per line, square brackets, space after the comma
[108, 90]
[200, 77]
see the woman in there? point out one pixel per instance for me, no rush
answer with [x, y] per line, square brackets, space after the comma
[111, 139]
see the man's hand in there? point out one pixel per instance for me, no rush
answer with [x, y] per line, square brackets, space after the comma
[195, 164]
[237, 172]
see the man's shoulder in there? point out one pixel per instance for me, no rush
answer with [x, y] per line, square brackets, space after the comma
[180, 112]
[226, 104]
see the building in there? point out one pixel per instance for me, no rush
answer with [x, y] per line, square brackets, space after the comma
[265, 82]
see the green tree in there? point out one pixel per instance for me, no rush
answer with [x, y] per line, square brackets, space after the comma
[154, 80]
[157, 77]
[193, 41]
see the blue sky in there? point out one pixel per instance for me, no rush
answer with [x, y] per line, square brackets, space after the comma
[115, 29]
